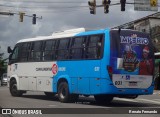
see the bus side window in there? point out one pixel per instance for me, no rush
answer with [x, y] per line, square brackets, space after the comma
[62, 50]
[77, 48]
[24, 52]
[49, 50]
[36, 51]
[93, 50]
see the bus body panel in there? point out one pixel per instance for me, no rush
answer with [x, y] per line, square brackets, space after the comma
[78, 75]
[105, 61]
[33, 76]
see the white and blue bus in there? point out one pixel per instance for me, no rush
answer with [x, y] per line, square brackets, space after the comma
[104, 63]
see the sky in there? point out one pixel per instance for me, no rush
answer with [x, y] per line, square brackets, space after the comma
[58, 15]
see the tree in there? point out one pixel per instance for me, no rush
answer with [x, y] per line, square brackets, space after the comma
[3, 66]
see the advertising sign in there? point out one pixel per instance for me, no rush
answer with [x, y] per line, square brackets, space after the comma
[131, 53]
[131, 59]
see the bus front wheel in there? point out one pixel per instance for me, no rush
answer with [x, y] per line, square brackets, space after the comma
[103, 99]
[13, 89]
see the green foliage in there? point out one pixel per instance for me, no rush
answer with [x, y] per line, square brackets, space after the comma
[3, 66]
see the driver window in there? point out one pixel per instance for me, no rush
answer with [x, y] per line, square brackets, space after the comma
[15, 54]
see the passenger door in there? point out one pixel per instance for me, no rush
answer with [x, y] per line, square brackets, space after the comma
[36, 57]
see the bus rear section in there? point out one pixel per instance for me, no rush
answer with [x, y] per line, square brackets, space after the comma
[132, 63]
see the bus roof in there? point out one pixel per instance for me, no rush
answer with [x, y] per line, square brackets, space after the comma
[66, 33]
[62, 34]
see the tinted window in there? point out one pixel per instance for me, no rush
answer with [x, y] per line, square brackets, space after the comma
[78, 42]
[77, 48]
[24, 51]
[37, 46]
[93, 48]
[63, 51]
[49, 50]
[50, 45]
[86, 47]
[63, 43]
[36, 51]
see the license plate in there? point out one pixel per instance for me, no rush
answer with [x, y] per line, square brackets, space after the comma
[132, 84]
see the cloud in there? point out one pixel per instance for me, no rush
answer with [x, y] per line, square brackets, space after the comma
[57, 17]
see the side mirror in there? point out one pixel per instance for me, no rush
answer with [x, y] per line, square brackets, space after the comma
[9, 50]
[10, 56]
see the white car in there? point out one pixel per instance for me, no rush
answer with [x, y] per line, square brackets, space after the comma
[4, 79]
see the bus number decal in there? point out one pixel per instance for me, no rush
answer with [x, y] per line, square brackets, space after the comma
[118, 82]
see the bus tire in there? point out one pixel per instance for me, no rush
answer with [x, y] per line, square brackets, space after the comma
[63, 92]
[13, 89]
[103, 99]
[49, 94]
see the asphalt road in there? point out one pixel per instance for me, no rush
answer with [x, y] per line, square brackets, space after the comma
[85, 106]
